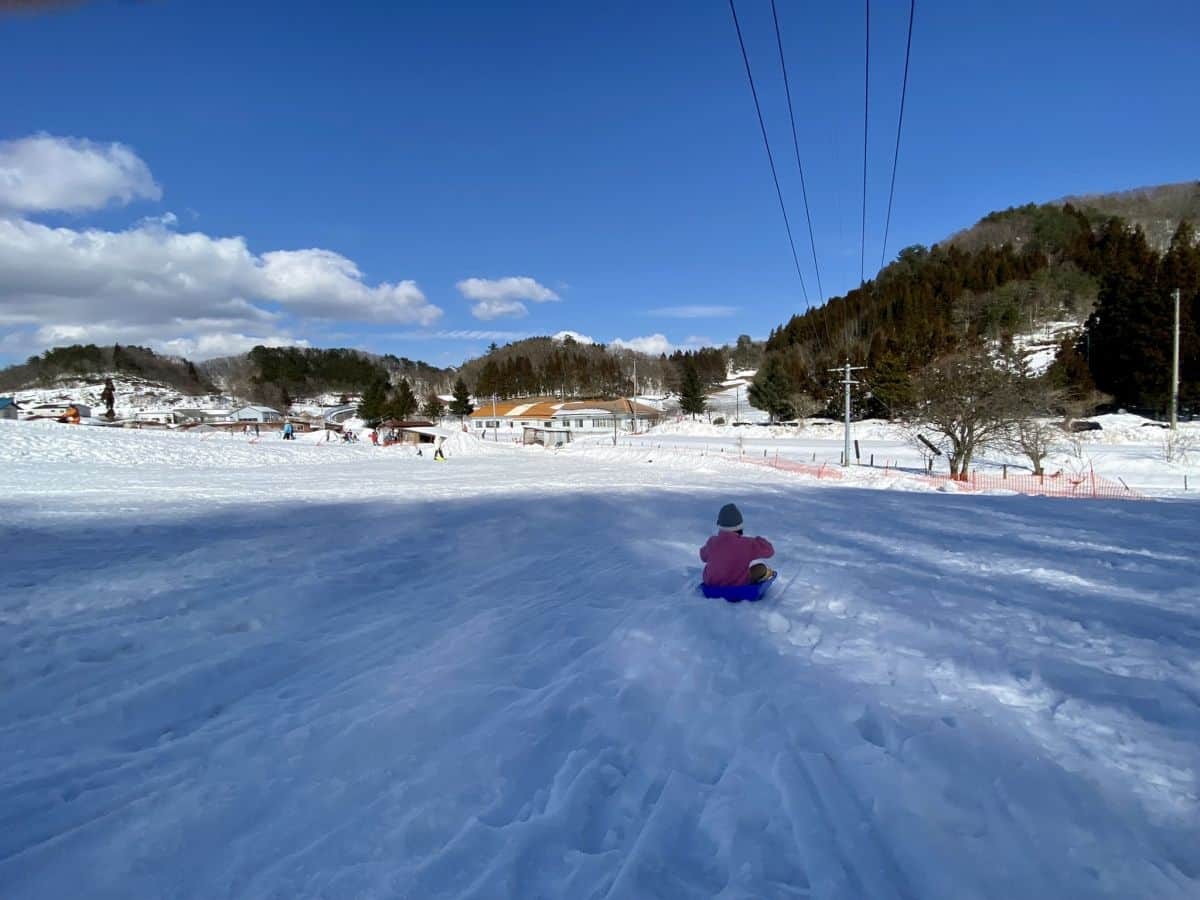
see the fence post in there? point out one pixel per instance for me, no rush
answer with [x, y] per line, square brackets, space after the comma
[1093, 468]
[872, 460]
[1004, 469]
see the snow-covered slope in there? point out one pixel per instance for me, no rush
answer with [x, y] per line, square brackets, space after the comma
[305, 670]
[132, 394]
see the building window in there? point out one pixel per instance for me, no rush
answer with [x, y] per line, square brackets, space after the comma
[548, 424]
[579, 423]
[478, 424]
[493, 424]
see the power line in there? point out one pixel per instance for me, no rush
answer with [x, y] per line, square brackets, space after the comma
[766, 143]
[796, 144]
[862, 241]
[912, 10]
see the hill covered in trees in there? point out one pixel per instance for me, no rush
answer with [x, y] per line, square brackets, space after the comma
[1014, 269]
[92, 361]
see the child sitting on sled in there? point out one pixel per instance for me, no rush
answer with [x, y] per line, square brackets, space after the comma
[729, 555]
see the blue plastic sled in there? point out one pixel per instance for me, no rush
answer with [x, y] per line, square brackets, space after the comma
[738, 593]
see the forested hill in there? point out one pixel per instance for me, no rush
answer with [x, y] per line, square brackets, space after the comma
[90, 361]
[1014, 269]
[273, 375]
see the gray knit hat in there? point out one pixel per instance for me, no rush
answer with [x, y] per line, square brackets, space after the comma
[729, 518]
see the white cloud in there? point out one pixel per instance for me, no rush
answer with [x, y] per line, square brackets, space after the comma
[44, 173]
[496, 309]
[693, 312]
[149, 284]
[575, 336]
[499, 297]
[182, 286]
[653, 344]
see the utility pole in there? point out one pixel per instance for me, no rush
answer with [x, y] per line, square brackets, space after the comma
[847, 380]
[737, 404]
[633, 405]
[1175, 366]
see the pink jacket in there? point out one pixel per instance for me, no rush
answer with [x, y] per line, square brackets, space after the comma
[728, 556]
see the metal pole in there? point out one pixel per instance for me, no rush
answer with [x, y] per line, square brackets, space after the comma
[1175, 367]
[737, 401]
[847, 381]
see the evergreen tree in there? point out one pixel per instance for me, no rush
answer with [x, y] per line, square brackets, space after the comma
[461, 405]
[374, 400]
[403, 402]
[433, 409]
[691, 391]
[772, 389]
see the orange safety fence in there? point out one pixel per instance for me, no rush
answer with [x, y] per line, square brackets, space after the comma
[1081, 485]
[822, 470]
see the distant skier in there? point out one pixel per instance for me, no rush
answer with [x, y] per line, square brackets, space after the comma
[729, 555]
[375, 438]
[438, 455]
[108, 397]
[288, 432]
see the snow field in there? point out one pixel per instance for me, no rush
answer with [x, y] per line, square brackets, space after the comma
[349, 671]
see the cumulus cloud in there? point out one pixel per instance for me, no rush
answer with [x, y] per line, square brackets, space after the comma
[653, 344]
[693, 312]
[181, 292]
[495, 309]
[573, 335]
[43, 173]
[497, 297]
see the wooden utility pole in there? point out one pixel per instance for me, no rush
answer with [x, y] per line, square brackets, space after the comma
[1175, 367]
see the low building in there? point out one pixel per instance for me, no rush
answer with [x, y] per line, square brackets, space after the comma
[8, 408]
[154, 416]
[258, 415]
[415, 431]
[59, 411]
[192, 416]
[502, 420]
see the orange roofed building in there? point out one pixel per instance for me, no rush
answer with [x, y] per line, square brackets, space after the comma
[505, 419]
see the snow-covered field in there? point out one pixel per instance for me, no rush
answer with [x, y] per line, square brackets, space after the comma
[317, 670]
[1128, 448]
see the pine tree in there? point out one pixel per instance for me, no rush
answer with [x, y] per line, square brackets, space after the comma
[461, 405]
[772, 389]
[433, 409]
[403, 402]
[374, 399]
[691, 392]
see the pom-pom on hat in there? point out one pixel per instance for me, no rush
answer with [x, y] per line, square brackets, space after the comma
[729, 518]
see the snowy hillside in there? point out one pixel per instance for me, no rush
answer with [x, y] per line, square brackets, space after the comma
[133, 395]
[299, 669]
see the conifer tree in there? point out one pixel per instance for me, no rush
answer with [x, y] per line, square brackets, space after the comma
[433, 409]
[374, 399]
[691, 391]
[461, 405]
[403, 402]
[772, 390]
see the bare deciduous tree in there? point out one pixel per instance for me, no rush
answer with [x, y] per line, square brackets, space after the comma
[969, 403]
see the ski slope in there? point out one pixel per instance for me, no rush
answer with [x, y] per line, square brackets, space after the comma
[318, 670]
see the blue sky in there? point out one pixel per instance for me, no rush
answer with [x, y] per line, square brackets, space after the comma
[596, 166]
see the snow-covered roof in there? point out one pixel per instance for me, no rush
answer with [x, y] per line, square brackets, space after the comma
[264, 409]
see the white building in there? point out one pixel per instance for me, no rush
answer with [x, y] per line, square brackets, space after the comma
[505, 419]
[58, 410]
[262, 415]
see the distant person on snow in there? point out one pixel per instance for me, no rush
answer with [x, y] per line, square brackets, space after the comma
[438, 455]
[288, 434]
[375, 438]
[108, 397]
[729, 555]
